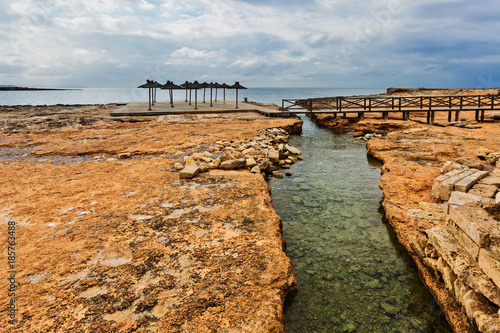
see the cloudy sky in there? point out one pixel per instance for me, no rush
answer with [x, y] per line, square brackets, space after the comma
[261, 43]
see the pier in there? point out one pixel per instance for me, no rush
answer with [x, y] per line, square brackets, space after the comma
[402, 104]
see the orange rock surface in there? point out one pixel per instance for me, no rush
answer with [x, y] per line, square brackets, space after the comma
[108, 238]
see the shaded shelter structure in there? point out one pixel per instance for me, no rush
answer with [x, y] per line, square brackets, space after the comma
[204, 85]
[157, 85]
[151, 85]
[170, 86]
[224, 87]
[211, 86]
[217, 86]
[195, 85]
[185, 86]
[237, 86]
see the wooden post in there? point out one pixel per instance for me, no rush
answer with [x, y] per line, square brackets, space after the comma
[429, 112]
[399, 106]
[482, 116]
[449, 111]
[310, 105]
[149, 93]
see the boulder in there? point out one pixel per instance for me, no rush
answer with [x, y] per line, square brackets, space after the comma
[483, 153]
[189, 161]
[227, 157]
[277, 174]
[251, 163]
[255, 169]
[217, 162]
[178, 166]
[274, 156]
[449, 166]
[292, 150]
[465, 268]
[189, 172]
[204, 167]
[197, 156]
[233, 164]
[468, 163]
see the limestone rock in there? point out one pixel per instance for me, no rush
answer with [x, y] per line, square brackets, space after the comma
[255, 169]
[178, 166]
[468, 163]
[424, 220]
[217, 162]
[292, 150]
[204, 167]
[189, 161]
[450, 166]
[492, 158]
[462, 199]
[277, 174]
[469, 219]
[197, 156]
[233, 164]
[227, 157]
[274, 156]
[483, 152]
[189, 172]
[251, 163]
[490, 265]
[123, 155]
[466, 183]
[483, 190]
[462, 264]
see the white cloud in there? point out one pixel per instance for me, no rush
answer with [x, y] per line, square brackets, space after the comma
[257, 40]
[187, 52]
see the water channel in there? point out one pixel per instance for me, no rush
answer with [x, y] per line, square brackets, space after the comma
[353, 275]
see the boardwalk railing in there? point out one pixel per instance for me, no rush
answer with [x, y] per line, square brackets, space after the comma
[404, 104]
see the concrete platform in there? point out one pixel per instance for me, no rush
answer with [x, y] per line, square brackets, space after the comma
[164, 108]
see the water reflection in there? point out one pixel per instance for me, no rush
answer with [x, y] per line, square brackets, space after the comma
[352, 274]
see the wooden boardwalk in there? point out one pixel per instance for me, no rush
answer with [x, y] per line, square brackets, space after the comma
[403, 104]
[183, 108]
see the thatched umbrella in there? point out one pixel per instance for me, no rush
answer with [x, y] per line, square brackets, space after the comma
[185, 86]
[216, 86]
[211, 86]
[224, 87]
[156, 85]
[150, 85]
[195, 85]
[171, 86]
[237, 86]
[204, 85]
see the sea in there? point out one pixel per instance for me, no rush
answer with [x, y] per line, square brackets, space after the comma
[126, 95]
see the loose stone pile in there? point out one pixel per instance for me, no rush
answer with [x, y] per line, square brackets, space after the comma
[266, 153]
[459, 240]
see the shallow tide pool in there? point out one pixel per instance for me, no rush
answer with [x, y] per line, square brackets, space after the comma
[353, 276]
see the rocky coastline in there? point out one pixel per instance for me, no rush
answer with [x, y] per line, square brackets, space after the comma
[114, 238]
[413, 153]
[109, 237]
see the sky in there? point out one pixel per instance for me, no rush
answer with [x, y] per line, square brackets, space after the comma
[260, 43]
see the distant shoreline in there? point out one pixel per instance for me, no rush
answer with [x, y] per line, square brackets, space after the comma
[14, 88]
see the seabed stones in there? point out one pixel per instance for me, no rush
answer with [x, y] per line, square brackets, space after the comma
[266, 154]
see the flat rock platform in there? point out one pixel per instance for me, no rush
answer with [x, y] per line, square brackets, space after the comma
[164, 108]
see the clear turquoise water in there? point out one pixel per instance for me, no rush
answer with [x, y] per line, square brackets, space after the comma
[352, 274]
